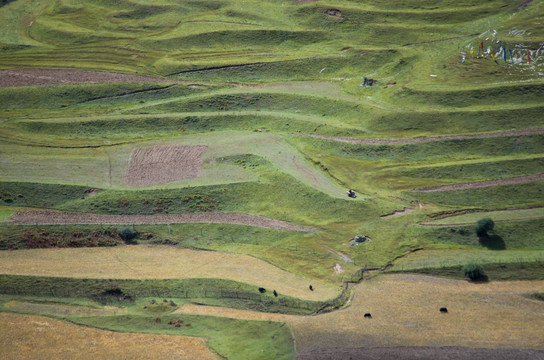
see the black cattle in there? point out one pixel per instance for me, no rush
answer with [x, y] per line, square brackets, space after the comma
[311, 288]
[443, 310]
[262, 290]
[368, 316]
[275, 293]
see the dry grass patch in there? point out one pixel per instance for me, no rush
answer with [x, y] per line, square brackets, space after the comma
[159, 262]
[163, 164]
[406, 312]
[62, 309]
[36, 337]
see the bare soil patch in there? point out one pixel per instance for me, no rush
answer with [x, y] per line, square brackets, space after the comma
[483, 184]
[33, 77]
[162, 164]
[525, 132]
[65, 218]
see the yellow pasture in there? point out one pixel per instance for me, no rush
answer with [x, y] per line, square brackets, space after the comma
[406, 312]
[159, 262]
[35, 337]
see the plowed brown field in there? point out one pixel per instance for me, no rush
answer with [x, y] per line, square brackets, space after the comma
[162, 164]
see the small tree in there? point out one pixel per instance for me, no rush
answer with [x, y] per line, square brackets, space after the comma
[128, 235]
[483, 226]
[473, 271]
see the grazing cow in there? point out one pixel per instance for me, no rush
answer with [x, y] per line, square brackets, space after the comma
[262, 290]
[368, 316]
[275, 293]
[311, 288]
[158, 320]
[443, 310]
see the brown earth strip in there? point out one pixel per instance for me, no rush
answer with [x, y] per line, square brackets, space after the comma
[421, 353]
[65, 218]
[424, 139]
[33, 77]
[163, 164]
[483, 184]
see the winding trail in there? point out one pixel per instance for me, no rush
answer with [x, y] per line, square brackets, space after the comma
[65, 218]
[424, 139]
[483, 184]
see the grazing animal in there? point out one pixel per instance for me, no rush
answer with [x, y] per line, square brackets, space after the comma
[311, 288]
[275, 293]
[368, 316]
[158, 320]
[262, 290]
[443, 310]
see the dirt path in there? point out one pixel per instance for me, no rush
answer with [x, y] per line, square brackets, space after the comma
[315, 182]
[398, 212]
[483, 184]
[427, 138]
[32, 77]
[65, 218]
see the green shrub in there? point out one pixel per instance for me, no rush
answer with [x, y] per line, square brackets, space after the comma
[483, 226]
[473, 271]
[128, 235]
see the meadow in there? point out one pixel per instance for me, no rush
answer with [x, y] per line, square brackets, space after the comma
[200, 151]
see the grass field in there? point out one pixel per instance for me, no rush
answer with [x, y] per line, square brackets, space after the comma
[135, 114]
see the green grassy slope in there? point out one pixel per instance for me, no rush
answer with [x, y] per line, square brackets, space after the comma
[250, 80]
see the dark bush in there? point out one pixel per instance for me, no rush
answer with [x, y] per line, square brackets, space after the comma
[484, 226]
[473, 272]
[128, 235]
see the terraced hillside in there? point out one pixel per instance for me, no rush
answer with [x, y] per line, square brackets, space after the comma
[233, 129]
